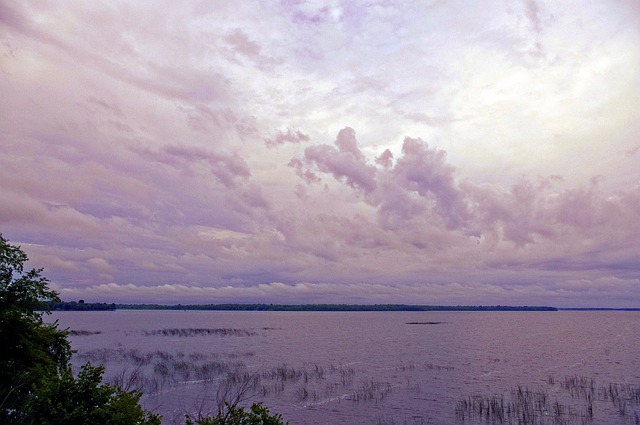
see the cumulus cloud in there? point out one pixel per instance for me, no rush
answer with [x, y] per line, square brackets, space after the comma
[302, 172]
[422, 187]
[385, 159]
[420, 170]
[426, 172]
[345, 162]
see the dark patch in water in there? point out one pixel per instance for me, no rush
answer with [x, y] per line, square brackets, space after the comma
[199, 332]
[83, 332]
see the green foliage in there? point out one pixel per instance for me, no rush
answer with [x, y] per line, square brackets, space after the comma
[85, 400]
[32, 351]
[36, 383]
[234, 415]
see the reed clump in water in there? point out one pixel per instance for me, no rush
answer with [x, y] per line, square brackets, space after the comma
[523, 407]
[192, 332]
[157, 372]
[527, 407]
[371, 390]
[83, 332]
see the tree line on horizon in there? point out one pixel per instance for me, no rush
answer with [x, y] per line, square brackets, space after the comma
[84, 306]
[329, 307]
[75, 306]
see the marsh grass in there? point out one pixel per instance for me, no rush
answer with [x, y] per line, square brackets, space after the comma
[539, 407]
[425, 366]
[160, 372]
[194, 332]
[571, 400]
[82, 332]
[371, 390]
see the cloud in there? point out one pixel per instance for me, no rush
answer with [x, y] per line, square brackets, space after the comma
[293, 151]
[385, 159]
[306, 174]
[10, 16]
[420, 170]
[227, 168]
[569, 293]
[346, 162]
[100, 264]
[291, 136]
[426, 172]
[533, 13]
[241, 43]
[634, 150]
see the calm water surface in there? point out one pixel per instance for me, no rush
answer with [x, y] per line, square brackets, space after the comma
[357, 367]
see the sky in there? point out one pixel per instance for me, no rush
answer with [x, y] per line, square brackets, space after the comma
[416, 152]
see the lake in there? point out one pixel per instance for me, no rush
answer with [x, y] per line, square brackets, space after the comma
[378, 368]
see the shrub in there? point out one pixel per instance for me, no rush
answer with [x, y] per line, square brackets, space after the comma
[234, 415]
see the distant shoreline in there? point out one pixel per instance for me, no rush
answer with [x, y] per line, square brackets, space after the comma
[82, 306]
[600, 309]
[329, 307]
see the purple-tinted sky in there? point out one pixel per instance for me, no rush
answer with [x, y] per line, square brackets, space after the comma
[436, 152]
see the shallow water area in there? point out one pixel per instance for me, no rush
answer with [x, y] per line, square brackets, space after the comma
[360, 367]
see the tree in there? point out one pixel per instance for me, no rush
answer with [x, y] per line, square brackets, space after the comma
[32, 351]
[85, 400]
[36, 382]
[235, 415]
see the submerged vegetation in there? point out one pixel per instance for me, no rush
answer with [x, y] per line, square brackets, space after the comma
[186, 332]
[83, 332]
[572, 400]
[158, 372]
